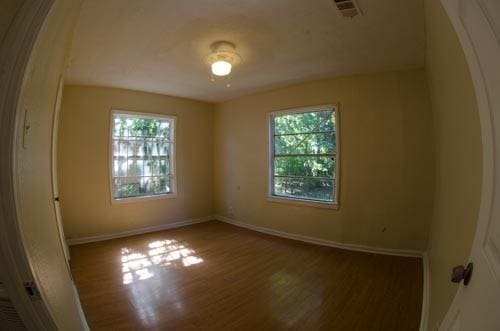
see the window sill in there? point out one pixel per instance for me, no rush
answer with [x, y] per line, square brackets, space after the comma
[144, 198]
[305, 203]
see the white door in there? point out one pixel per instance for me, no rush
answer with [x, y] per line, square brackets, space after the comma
[477, 305]
[55, 190]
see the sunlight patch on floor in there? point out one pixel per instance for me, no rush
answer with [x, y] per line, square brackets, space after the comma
[161, 253]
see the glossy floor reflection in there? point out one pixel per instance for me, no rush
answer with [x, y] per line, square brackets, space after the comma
[214, 276]
[137, 265]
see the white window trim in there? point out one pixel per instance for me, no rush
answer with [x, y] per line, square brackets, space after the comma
[270, 157]
[173, 193]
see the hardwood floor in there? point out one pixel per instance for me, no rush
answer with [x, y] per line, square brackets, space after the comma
[215, 276]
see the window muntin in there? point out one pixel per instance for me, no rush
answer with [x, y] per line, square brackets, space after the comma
[304, 159]
[142, 155]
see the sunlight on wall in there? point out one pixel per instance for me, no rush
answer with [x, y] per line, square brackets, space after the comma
[161, 253]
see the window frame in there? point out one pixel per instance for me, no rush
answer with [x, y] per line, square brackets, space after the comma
[270, 156]
[173, 119]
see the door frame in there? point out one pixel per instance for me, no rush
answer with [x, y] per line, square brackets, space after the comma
[15, 53]
[488, 130]
[55, 183]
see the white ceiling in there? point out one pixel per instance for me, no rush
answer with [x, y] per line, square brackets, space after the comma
[160, 45]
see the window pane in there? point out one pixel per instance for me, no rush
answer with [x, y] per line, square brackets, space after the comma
[133, 169]
[154, 165]
[122, 149]
[164, 148]
[165, 166]
[148, 148]
[311, 143]
[119, 127]
[125, 187]
[148, 171]
[141, 156]
[125, 126]
[307, 166]
[158, 185]
[140, 186]
[304, 122]
[134, 149]
[166, 183]
[164, 130]
[304, 188]
[122, 166]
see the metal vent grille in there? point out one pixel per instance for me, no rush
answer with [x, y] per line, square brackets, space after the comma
[9, 319]
[348, 8]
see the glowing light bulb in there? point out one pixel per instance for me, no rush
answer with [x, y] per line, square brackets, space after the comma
[221, 68]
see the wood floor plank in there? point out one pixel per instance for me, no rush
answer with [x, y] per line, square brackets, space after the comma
[215, 276]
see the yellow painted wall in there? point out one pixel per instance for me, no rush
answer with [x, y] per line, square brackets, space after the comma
[34, 187]
[83, 163]
[388, 133]
[387, 160]
[458, 158]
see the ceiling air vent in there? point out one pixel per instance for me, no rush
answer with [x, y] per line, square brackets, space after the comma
[348, 8]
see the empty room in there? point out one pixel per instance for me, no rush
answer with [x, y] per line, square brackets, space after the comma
[250, 165]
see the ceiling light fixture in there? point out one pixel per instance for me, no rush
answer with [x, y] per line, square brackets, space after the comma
[221, 68]
[222, 59]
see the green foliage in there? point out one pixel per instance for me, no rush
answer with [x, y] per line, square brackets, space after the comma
[308, 143]
[127, 126]
[304, 162]
[305, 166]
[141, 151]
[304, 122]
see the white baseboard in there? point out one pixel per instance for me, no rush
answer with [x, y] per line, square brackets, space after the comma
[425, 295]
[323, 242]
[312, 240]
[352, 247]
[85, 240]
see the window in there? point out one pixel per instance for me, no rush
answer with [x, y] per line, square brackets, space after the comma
[304, 160]
[142, 155]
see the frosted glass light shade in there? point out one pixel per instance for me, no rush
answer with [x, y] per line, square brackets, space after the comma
[221, 68]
